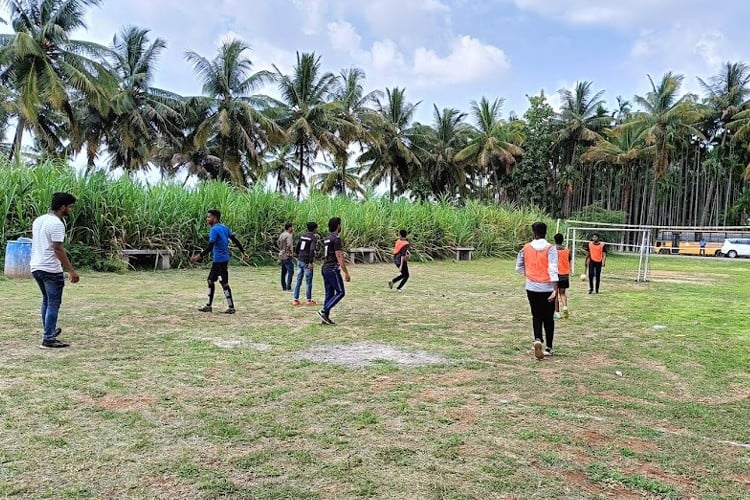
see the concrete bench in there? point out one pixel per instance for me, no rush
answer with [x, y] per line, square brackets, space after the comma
[366, 255]
[162, 256]
[463, 253]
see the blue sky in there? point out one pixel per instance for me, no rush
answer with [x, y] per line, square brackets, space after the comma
[450, 52]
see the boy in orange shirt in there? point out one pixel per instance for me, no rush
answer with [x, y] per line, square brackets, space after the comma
[400, 259]
[563, 274]
[595, 259]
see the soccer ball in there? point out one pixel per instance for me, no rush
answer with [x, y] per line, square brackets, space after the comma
[583, 276]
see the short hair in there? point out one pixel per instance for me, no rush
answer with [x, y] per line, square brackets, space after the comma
[334, 223]
[559, 239]
[288, 225]
[312, 226]
[215, 213]
[402, 233]
[539, 229]
[595, 234]
[59, 200]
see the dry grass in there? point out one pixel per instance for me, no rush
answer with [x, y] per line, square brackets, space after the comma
[155, 399]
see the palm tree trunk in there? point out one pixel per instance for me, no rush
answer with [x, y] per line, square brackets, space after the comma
[301, 178]
[651, 214]
[709, 200]
[15, 148]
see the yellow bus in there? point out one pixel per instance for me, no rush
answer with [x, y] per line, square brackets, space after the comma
[692, 242]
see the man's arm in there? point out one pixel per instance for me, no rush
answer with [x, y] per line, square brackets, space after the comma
[57, 246]
[552, 268]
[206, 251]
[342, 264]
[239, 245]
[520, 265]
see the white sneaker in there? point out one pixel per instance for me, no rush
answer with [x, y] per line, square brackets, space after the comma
[548, 353]
[557, 316]
[538, 349]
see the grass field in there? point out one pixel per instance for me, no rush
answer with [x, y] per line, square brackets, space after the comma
[155, 399]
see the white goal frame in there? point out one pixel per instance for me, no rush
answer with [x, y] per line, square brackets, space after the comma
[646, 246]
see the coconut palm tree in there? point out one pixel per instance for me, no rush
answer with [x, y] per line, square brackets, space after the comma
[339, 180]
[143, 114]
[389, 154]
[234, 126]
[310, 115]
[354, 105]
[493, 146]
[281, 165]
[579, 122]
[437, 147]
[727, 96]
[665, 119]
[624, 148]
[46, 68]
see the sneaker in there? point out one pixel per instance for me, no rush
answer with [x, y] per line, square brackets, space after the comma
[557, 316]
[548, 353]
[206, 309]
[230, 311]
[58, 331]
[590, 292]
[311, 303]
[53, 344]
[324, 316]
[538, 349]
[390, 285]
[296, 302]
[566, 314]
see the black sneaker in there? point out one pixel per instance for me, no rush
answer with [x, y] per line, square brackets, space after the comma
[324, 316]
[548, 353]
[206, 309]
[53, 344]
[229, 311]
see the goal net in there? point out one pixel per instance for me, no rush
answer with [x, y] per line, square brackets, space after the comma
[634, 241]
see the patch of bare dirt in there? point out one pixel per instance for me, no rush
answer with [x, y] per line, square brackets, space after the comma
[594, 438]
[640, 446]
[362, 354]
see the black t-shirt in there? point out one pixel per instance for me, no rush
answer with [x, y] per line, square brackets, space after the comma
[306, 247]
[331, 243]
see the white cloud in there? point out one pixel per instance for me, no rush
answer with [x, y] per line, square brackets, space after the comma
[468, 60]
[343, 36]
[386, 57]
[618, 13]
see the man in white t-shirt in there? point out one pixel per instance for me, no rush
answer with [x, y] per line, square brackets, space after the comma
[48, 258]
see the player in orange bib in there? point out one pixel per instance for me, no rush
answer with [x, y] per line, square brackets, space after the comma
[595, 259]
[563, 274]
[400, 259]
[537, 261]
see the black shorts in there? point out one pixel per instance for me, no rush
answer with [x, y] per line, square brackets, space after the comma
[219, 272]
[563, 282]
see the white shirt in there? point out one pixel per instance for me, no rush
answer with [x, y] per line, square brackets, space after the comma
[46, 230]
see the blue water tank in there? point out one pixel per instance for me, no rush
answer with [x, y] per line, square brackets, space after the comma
[18, 258]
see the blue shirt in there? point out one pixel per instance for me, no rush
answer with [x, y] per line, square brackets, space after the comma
[219, 236]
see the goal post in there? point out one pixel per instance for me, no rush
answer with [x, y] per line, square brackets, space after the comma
[638, 241]
[644, 240]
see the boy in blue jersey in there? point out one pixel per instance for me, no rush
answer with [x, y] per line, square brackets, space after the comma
[218, 244]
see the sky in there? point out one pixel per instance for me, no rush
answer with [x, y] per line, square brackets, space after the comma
[450, 52]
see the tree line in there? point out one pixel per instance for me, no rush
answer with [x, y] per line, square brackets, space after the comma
[664, 157]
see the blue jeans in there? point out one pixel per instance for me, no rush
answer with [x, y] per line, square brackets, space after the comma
[303, 269]
[334, 288]
[51, 285]
[287, 271]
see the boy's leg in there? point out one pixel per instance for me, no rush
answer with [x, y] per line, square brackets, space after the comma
[290, 273]
[308, 282]
[404, 275]
[300, 270]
